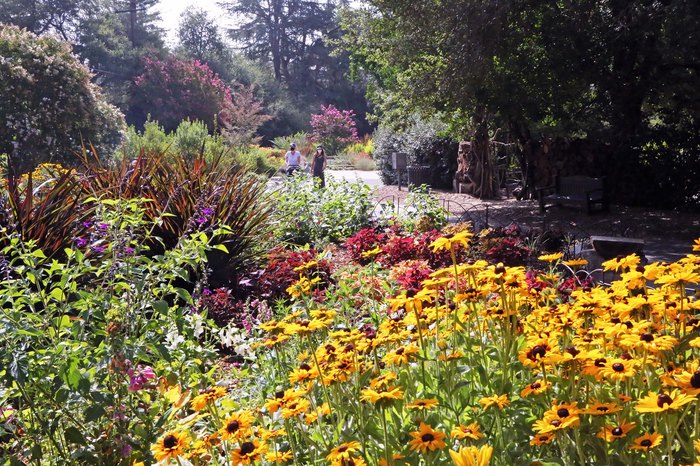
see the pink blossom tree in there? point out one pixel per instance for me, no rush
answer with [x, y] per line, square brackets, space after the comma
[334, 129]
[173, 89]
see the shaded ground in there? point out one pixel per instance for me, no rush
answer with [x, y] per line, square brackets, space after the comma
[668, 235]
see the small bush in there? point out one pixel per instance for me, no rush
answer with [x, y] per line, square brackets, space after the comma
[305, 213]
[424, 144]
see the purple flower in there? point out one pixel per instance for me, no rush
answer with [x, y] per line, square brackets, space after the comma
[103, 226]
[138, 380]
[87, 223]
[129, 251]
[99, 249]
[81, 242]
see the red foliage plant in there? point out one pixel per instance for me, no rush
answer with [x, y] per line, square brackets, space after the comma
[363, 241]
[279, 273]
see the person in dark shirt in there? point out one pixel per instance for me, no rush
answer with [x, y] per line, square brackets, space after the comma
[319, 165]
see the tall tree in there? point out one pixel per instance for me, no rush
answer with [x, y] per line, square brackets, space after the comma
[199, 35]
[62, 17]
[279, 30]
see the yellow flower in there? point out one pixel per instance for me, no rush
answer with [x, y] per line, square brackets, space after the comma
[343, 451]
[170, 446]
[496, 400]
[382, 395]
[248, 452]
[647, 441]
[696, 245]
[237, 425]
[472, 432]
[551, 257]
[543, 438]
[426, 439]
[423, 404]
[535, 388]
[371, 253]
[578, 262]
[472, 456]
[611, 433]
[660, 402]
[448, 243]
[306, 266]
[278, 456]
[200, 401]
[600, 409]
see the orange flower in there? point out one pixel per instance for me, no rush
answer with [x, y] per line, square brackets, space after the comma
[426, 439]
[660, 402]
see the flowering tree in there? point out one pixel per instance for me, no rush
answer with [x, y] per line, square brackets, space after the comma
[49, 106]
[174, 89]
[334, 128]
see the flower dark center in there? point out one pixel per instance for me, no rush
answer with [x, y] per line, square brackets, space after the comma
[538, 351]
[247, 448]
[618, 367]
[535, 385]
[342, 449]
[647, 337]
[645, 443]
[500, 269]
[232, 427]
[305, 367]
[663, 399]
[617, 431]
[563, 412]
[170, 441]
[602, 408]
[572, 351]
[330, 348]
[556, 423]
[400, 351]
[427, 437]
[695, 380]
[600, 362]
[279, 394]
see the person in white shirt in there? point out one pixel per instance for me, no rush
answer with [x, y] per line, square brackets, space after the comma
[293, 159]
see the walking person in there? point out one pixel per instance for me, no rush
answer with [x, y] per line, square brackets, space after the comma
[293, 159]
[318, 165]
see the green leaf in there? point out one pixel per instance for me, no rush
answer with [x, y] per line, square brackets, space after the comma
[73, 435]
[58, 294]
[184, 295]
[161, 307]
[94, 412]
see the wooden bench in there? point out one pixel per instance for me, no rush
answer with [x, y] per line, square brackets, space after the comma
[577, 191]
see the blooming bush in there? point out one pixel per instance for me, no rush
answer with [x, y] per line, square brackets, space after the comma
[50, 107]
[174, 89]
[334, 128]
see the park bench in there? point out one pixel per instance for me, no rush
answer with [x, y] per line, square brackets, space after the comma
[577, 191]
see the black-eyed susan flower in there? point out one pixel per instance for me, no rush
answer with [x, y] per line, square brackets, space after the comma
[578, 262]
[696, 245]
[471, 432]
[689, 380]
[170, 446]
[426, 439]
[660, 402]
[600, 409]
[302, 373]
[448, 243]
[423, 404]
[551, 257]
[381, 394]
[248, 452]
[614, 432]
[237, 426]
[472, 456]
[647, 441]
[619, 369]
[343, 451]
[501, 401]
[542, 438]
[402, 355]
[205, 397]
[278, 456]
[535, 388]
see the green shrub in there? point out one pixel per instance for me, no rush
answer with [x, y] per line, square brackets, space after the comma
[424, 144]
[190, 139]
[305, 213]
[260, 160]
